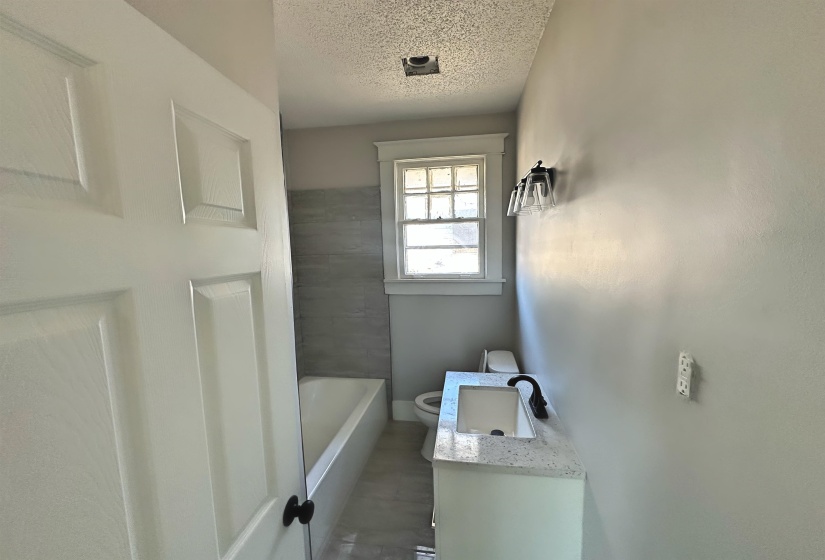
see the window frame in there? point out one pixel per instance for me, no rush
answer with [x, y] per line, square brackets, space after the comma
[490, 147]
[401, 220]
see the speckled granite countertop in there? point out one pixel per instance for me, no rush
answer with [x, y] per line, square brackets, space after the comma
[549, 454]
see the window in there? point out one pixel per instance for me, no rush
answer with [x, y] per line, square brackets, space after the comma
[440, 218]
[441, 214]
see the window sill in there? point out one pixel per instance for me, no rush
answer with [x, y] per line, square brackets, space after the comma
[444, 287]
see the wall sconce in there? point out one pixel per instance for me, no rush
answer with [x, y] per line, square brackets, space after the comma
[534, 192]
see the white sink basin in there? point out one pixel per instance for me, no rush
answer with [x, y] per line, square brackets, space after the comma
[484, 409]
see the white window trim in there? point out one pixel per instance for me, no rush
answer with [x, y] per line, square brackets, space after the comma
[488, 146]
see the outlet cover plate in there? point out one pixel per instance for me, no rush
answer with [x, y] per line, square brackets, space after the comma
[684, 375]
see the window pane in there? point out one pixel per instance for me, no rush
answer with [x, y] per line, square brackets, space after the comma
[442, 261]
[415, 180]
[466, 177]
[441, 179]
[441, 206]
[430, 235]
[415, 207]
[466, 205]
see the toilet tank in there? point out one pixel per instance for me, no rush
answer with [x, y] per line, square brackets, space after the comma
[501, 361]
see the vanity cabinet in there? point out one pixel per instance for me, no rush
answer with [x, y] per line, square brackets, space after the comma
[488, 515]
[516, 496]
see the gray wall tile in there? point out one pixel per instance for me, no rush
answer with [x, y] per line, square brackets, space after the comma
[355, 268]
[371, 239]
[344, 362]
[329, 365]
[316, 327]
[327, 301]
[379, 362]
[307, 206]
[330, 356]
[342, 313]
[353, 204]
[296, 321]
[310, 270]
[377, 303]
[327, 238]
[373, 333]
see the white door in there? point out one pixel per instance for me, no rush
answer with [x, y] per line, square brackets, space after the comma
[148, 399]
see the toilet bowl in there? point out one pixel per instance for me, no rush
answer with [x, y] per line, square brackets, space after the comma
[428, 405]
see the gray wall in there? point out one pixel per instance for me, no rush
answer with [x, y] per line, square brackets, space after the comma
[429, 334]
[342, 321]
[691, 136]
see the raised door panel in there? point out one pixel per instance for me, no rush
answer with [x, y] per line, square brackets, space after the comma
[238, 429]
[214, 167]
[67, 486]
[52, 111]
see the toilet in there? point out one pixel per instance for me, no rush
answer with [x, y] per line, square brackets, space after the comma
[428, 405]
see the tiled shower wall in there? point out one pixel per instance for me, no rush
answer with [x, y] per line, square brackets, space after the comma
[342, 322]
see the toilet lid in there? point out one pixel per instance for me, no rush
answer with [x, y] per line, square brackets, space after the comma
[429, 402]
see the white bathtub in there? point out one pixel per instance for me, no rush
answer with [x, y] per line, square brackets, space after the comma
[341, 419]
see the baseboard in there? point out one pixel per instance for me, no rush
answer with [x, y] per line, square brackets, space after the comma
[404, 411]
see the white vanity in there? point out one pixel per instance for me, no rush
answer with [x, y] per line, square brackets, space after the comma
[514, 496]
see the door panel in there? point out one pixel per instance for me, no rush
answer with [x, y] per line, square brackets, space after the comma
[64, 486]
[215, 172]
[51, 130]
[148, 394]
[230, 374]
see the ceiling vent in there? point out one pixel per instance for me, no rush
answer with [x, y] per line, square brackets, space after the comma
[420, 65]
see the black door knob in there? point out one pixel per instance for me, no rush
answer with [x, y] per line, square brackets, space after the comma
[303, 511]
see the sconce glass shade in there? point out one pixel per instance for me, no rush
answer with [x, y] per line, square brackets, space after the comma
[540, 180]
[519, 195]
[511, 207]
[550, 200]
[551, 197]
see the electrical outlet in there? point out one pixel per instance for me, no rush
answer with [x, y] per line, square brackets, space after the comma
[684, 375]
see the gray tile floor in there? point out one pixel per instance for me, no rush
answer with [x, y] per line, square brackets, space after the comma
[389, 513]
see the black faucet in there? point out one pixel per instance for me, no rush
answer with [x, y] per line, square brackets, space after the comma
[537, 401]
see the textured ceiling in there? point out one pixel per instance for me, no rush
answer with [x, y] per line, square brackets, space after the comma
[340, 60]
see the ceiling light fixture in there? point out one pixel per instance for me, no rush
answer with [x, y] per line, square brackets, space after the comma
[534, 192]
